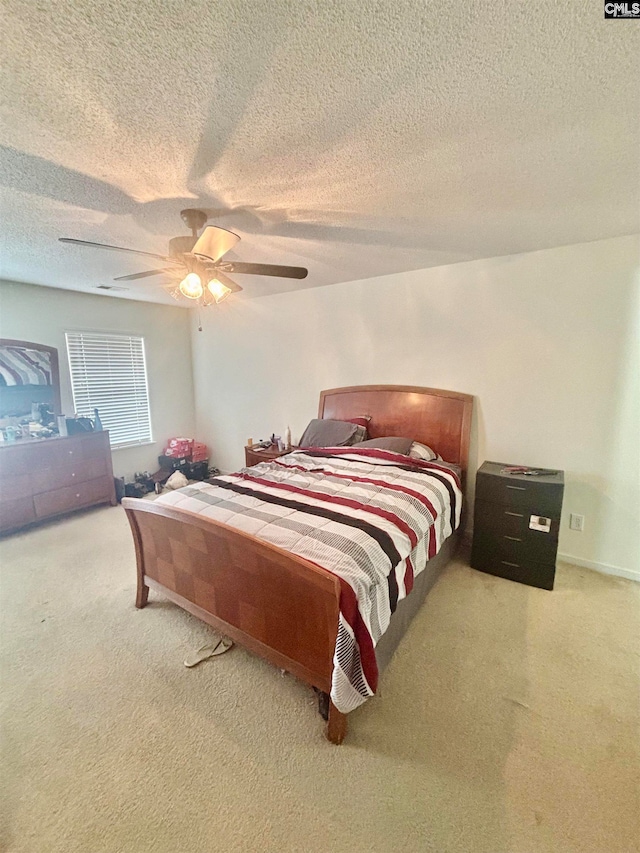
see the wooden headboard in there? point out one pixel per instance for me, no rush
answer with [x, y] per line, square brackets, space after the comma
[441, 419]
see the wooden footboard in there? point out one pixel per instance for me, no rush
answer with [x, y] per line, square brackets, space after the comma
[275, 604]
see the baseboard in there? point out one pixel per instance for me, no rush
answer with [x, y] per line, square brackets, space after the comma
[604, 568]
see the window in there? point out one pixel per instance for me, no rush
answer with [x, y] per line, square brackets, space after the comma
[109, 373]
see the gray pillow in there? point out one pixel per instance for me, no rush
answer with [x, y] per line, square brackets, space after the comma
[390, 442]
[330, 433]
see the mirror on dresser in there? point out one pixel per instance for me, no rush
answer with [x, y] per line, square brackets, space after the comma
[29, 383]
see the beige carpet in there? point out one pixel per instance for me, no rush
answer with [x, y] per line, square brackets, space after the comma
[508, 720]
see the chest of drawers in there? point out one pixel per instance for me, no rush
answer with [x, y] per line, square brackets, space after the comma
[43, 478]
[516, 525]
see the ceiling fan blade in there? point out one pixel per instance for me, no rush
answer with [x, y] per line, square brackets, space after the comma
[116, 249]
[224, 279]
[265, 269]
[144, 274]
[214, 242]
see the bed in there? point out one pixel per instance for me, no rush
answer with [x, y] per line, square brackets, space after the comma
[285, 606]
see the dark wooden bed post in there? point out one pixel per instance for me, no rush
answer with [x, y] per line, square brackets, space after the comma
[142, 594]
[337, 725]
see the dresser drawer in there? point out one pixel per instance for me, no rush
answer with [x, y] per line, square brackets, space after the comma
[62, 452]
[530, 572]
[511, 524]
[516, 549]
[49, 479]
[14, 460]
[15, 487]
[16, 513]
[72, 497]
[538, 498]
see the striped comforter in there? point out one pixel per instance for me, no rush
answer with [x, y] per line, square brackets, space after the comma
[370, 516]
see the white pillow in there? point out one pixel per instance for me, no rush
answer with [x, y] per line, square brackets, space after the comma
[422, 451]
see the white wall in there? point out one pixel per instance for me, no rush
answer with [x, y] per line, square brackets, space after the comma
[546, 341]
[43, 314]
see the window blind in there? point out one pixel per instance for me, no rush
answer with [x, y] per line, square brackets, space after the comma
[109, 373]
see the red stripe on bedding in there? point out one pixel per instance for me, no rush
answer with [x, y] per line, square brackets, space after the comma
[390, 456]
[395, 487]
[351, 613]
[332, 499]
[433, 545]
[408, 576]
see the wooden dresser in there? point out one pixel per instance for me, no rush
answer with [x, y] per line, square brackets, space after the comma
[516, 525]
[42, 478]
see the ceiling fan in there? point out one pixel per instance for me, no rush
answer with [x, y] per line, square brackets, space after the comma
[195, 263]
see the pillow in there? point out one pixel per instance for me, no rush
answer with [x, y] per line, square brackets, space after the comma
[330, 433]
[422, 451]
[362, 421]
[389, 442]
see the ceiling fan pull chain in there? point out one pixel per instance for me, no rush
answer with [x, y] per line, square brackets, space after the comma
[199, 318]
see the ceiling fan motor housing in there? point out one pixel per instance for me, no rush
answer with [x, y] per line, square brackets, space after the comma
[193, 218]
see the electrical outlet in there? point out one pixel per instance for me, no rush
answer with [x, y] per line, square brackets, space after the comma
[576, 522]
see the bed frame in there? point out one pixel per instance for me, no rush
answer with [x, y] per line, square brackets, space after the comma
[274, 603]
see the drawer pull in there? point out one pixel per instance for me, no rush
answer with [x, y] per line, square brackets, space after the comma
[518, 488]
[73, 473]
[515, 565]
[513, 538]
[77, 496]
[514, 514]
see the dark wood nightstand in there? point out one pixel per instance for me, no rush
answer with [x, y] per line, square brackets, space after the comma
[516, 525]
[254, 457]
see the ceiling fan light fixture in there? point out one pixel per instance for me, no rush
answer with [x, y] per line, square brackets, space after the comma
[199, 260]
[191, 286]
[218, 290]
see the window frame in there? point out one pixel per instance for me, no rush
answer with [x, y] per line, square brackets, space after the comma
[74, 337]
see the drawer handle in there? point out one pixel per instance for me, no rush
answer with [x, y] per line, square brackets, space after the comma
[514, 514]
[77, 496]
[518, 488]
[513, 538]
[73, 473]
[515, 565]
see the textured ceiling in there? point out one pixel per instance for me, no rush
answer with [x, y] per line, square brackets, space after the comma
[354, 137]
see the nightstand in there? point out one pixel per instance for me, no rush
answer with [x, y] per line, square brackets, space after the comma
[254, 457]
[516, 525]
